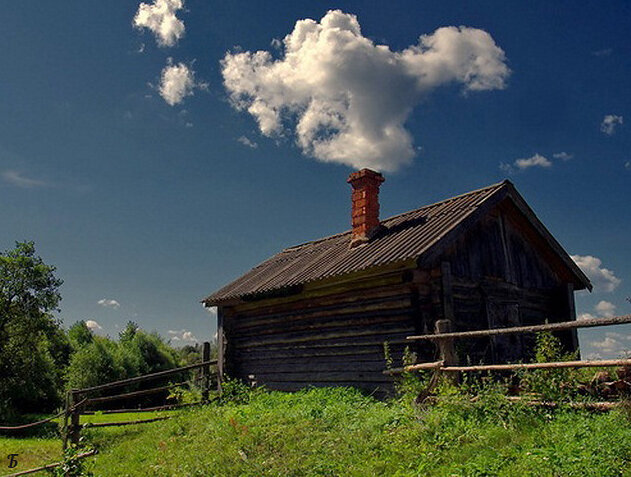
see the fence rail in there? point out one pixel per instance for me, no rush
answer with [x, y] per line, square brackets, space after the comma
[564, 325]
[77, 399]
[444, 338]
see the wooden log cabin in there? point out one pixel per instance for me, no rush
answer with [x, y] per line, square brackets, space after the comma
[319, 313]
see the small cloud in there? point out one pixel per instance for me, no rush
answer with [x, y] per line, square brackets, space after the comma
[605, 308]
[522, 164]
[160, 18]
[93, 325]
[19, 180]
[535, 161]
[247, 142]
[109, 303]
[141, 48]
[586, 316]
[602, 278]
[564, 156]
[276, 43]
[603, 52]
[609, 124]
[627, 165]
[177, 81]
[183, 335]
[611, 346]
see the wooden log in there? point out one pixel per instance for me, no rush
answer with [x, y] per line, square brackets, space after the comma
[305, 338]
[221, 348]
[205, 370]
[295, 313]
[125, 423]
[50, 466]
[309, 366]
[567, 325]
[552, 365]
[147, 377]
[75, 416]
[143, 392]
[591, 406]
[323, 376]
[414, 367]
[332, 321]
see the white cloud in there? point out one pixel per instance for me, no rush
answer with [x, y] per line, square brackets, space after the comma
[613, 345]
[93, 325]
[605, 308]
[182, 335]
[346, 98]
[534, 161]
[247, 142]
[608, 126]
[564, 156]
[160, 17]
[176, 82]
[627, 165]
[19, 180]
[586, 316]
[602, 278]
[109, 303]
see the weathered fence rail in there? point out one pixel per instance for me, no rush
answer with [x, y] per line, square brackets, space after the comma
[444, 339]
[78, 399]
[565, 325]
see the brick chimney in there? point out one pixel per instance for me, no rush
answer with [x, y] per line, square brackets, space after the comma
[365, 204]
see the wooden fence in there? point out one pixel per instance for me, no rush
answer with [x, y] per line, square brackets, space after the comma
[78, 400]
[444, 338]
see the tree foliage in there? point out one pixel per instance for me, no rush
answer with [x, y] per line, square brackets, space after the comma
[33, 348]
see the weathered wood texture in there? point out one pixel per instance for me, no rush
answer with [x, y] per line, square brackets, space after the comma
[502, 275]
[333, 340]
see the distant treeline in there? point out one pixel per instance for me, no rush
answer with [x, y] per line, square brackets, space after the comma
[39, 360]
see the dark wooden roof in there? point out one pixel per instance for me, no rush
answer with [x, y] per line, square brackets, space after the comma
[417, 234]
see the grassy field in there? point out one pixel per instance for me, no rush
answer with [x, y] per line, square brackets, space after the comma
[329, 432]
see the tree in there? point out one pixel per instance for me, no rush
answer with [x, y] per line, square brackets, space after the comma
[32, 345]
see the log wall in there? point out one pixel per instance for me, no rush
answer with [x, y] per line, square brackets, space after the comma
[328, 341]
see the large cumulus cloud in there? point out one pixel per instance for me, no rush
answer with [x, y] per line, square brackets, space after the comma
[347, 98]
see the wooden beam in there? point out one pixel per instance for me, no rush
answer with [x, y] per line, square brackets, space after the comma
[447, 292]
[221, 348]
[414, 367]
[146, 377]
[552, 365]
[567, 325]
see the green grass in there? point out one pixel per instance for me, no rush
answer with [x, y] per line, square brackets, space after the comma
[328, 432]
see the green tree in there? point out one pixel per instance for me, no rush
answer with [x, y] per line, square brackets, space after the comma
[33, 348]
[80, 335]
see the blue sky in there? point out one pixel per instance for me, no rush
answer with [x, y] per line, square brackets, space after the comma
[126, 158]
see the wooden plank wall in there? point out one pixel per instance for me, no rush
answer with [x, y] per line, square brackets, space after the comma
[325, 341]
[501, 277]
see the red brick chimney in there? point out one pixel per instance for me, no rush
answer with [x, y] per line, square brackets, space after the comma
[365, 204]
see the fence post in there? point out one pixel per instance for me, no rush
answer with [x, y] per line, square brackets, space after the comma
[205, 370]
[446, 346]
[66, 416]
[75, 417]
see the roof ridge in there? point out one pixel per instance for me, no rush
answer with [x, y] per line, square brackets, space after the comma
[444, 201]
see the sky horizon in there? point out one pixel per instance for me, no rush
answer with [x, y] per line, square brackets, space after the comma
[156, 151]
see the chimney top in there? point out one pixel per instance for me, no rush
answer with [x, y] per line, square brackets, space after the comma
[365, 204]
